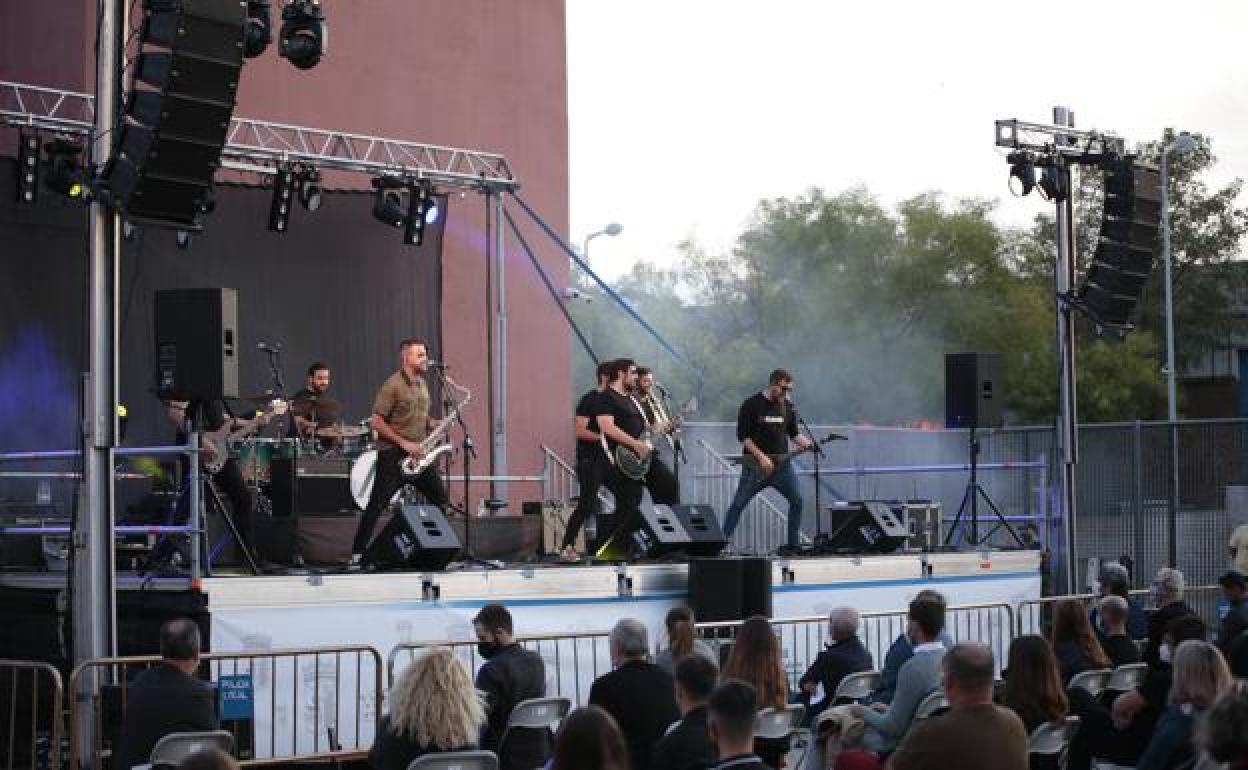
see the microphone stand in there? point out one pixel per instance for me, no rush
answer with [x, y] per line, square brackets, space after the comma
[678, 447]
[279, 387]
[817, 451]
[470, 454]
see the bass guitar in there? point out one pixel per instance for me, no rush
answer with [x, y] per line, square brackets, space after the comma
[215, 443]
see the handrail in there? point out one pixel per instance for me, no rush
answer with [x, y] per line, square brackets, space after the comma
[777, 517]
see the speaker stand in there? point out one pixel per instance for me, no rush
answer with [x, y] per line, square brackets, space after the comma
[970, 502]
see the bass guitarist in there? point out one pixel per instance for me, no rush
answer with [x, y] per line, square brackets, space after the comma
[401, 419]
[765, 425]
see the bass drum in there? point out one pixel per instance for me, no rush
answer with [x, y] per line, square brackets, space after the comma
[363, 470]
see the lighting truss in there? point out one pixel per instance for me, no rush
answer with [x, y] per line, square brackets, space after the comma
[1048, 139]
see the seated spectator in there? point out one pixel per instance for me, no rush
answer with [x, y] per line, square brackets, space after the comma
[638, 694]
[1074, 644]
[1239, 548]
[919, 677]
[731, 712]
[589, 739]
[433, 708]
[974, 734]
[845, 654]
[1114, 639]
[1200, 678]
[166, 698]
[1238, 656]
[900, 651]
[1223, 735]
[755, 659]
[209, 759]
[510, 674]
[688, 745]
[1235, 591]
[682, 641]
[1167, 595]
[1033, 683]
[1114, 580]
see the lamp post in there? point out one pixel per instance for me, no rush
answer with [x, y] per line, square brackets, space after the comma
[613, 229]
[1182, 143]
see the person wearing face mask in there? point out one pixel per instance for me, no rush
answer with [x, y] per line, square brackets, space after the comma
[510, 674]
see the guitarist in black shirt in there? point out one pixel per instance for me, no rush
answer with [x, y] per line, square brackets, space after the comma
[620, 420]
[765, 425]
[592, 462]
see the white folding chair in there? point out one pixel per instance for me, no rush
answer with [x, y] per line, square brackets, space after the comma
[175, 747]
[778, 723]
[1127, 677]
[930, 705]
[1052, 738]
[456, 760]
[535, 714]
[856, 687]
[1092, 682]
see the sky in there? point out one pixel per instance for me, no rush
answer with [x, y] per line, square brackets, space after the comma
[683, 114]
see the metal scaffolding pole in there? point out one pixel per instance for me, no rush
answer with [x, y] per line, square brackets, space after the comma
[498, 445]
[1067, 413]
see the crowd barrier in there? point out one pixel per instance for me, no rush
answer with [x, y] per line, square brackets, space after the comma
[31, 719]
[1035, 616]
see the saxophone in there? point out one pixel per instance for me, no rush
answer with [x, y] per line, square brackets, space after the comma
[434, 445]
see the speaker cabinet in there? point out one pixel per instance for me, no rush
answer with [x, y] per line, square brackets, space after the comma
[870, 526]
[196, 344]
[666, 529]
[418, 537]
[974, 393]
[729, 589]
[311, 485]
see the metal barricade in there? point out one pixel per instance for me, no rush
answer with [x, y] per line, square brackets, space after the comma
[31, 718]
[573, 660]
[307, 703]
[1035, 616]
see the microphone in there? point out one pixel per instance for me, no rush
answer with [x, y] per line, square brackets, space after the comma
[432, 364]
[836, 437]
[267, 348]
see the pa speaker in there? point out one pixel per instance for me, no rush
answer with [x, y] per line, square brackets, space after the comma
[869, 526]
[196, 344]
[418, 537]
[973, 390]
[666, 529]
[729, 589]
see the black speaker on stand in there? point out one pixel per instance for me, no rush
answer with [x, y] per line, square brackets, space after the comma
[196, 344]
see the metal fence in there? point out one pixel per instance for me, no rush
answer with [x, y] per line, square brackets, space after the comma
[308, 703]
[31, 710]
[1035, 616]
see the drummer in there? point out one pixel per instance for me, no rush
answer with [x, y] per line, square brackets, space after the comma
[312, 406]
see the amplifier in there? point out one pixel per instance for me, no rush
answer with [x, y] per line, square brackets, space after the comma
[311, 485]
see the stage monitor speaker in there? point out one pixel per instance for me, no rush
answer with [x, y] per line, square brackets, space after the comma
[974, 390]
[196, 344]
[729, 589]
[418, 537]
[870, 526]
[311, 485]
[667, 529]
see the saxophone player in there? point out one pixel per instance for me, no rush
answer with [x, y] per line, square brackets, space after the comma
[401, 419]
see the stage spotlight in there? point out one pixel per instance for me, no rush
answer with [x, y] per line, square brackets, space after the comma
[259, 28]
[27, 168]
[419, 200]
[63, 172]
[283, 189]
[388, 206]
[304, 34]
[310, 188]
[1022, 173]
[1052, 185]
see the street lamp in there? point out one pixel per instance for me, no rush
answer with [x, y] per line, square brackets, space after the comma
[1181, 144]
[613, 229]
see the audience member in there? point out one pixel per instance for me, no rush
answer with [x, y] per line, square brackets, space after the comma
[919, 676]
[1167, 595]
[1235, 622]
[638, 694]
[1033, 683]
[589, 739]
[688, 745]
[1115, 641]
[732, 711]
[1115, 580]
[974, 734]
[845, 654]
[1237, 658]
[1223, 735]
[1200, 678]
[1239, 548]
[755, 659]
[682, 641]
[900, 651]
[1074, 644]
[510, 674]
[209, 759]
[166, 698]
[433, 708]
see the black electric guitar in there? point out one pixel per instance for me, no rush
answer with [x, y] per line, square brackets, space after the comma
[778, 460]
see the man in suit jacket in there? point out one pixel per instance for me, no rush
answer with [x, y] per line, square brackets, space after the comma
[166, 698]
[638, 694]
[688, 744]
[511, 674]
[845, 655]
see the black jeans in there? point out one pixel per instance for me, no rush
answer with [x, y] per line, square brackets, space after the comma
[591, 468]
[230, 481]
[661, 482]
[388, 478]
[620, 527]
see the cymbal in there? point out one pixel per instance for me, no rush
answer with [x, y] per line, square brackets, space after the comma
[342, 431]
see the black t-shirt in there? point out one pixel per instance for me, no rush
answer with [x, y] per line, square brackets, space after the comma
[627, 416]
[590, 405]
[768, 424]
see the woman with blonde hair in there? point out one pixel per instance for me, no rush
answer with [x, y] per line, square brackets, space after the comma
[433, 708]
[1074, 643]
[1200, 677]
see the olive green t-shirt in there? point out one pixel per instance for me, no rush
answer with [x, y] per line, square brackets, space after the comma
[986, 737]
[403, 403]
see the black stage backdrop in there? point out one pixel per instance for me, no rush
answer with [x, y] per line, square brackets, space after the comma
[339, 286]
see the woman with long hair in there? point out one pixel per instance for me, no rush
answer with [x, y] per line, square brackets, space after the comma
[755, 659]
[1033, 684]
[433, 708]
[682, 641]
[1200, 677]
[589, 739]
[1074, 643]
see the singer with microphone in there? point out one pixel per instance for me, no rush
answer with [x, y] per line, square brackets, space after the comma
[766, 423]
